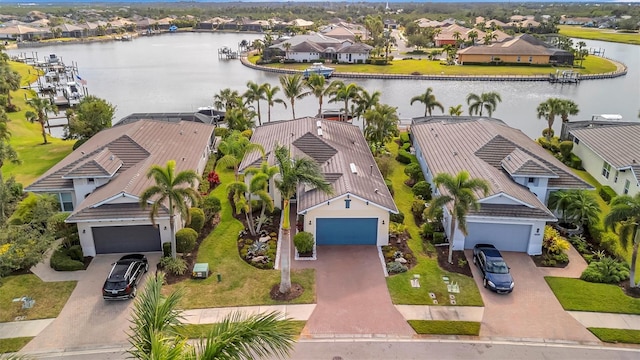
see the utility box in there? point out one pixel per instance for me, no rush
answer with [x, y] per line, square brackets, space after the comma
[200, 271]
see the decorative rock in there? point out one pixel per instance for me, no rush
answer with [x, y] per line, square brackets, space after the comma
[258, 259]
[264, 239]
[401, 260]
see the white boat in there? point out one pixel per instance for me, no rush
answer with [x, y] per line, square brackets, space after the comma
[318, 68]
[72, 91]
[53, 59]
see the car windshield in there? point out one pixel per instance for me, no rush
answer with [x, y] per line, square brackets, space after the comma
[497, 267]
[115, 285]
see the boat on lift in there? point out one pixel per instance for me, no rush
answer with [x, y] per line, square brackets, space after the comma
[320, 69]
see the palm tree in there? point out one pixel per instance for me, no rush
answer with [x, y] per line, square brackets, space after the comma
[455, 110]
[342, 92]
[429, 101]
[170, 187]
[568, 107]
[457, 36]
[226, 99]
[365, 102]
[317, 85]
[41, 107]
[287, 47]
[240, 118]
[472, 35]
[488, 101]
[548, 110]
[450, 51]
[9, 81]
[560, 201]
[460, 190]
[584, 208]
[269, 172]
[382, 125]
[625, 216]
[233, 148]
[255, 93]
[270, 96]
[243, 195]
[490, 37]
[293, 88]
[155, 324]
[293, 172]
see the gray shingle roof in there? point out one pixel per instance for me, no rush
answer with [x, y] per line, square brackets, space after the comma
[479, 145]
[123, 211]
[340, 145]
[519, 163]
[104, 164]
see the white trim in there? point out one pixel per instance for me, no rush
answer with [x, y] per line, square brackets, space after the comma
[384, 265]
[504, 219]
[115, 220]
[120, 194]
[48, 190]
[301, 212]
[509, 197]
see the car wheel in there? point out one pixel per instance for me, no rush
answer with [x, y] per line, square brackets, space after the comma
[484, 282]
[133, 292]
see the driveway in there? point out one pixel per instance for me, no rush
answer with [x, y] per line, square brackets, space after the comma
[352, 294]
[531, 310]
[87, 320]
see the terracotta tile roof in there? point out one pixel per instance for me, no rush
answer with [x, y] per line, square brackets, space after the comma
[340, 145]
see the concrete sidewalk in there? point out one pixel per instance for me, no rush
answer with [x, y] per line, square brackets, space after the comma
[451, 313]
[607, 320]
[215, 315]
[27, 328]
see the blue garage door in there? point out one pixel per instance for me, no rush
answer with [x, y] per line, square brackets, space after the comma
[346, 231]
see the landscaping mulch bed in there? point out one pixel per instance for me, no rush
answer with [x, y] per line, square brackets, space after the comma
[630, 291]
[399, 244]
[295, 291]
[270, 228]
[458, 259]
[539, 261]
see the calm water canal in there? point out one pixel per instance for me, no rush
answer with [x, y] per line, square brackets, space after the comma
[181, 72]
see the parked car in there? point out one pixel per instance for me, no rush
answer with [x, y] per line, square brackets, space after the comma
[124, 277]
[495, 272]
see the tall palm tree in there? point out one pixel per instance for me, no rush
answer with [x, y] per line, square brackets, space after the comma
[293, 88]
[625, 216]
[41, 107]
[240, 118]
[293, 172]
[455, 110]
[287, 47]
[490, 37]
[459, 190]
[226, 99]
[155, 325]
[270, 96]
[382, 125]
[568, 107]
[269, 172]
[548, 110]
[429, 101]
[472, 35]
[173, 188]
[233, 148]
[485, 101]
[317, 85]
[255, 93]
[344, 92]
[366, 101]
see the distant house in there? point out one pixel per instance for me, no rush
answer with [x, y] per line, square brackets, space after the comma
[357, 212]
[519, 172]
[610, 152]
[522, 49]
[70, 31]
[451, 34]
[101, 182]
[318, 47]
[24, 33]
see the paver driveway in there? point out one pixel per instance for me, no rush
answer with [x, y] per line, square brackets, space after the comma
[86, 319]
[531, 310]
[352, 294]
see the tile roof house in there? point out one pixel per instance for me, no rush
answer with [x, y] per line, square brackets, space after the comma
[100, 182]
[610, 152]
[522, 49]
[519, 172]
[357, 213]
[316, 46]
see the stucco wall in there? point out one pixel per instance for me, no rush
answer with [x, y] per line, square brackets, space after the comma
[358, 209]
[535, 59]
[302, 56]
[593, 163]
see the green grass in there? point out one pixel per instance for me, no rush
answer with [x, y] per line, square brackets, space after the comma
[26, 138]
[427, 266]
[626, 336]
[197, 331]
[242, 284]
[50, 297]
[13, 344]
[599, 34]
[592, 65]
[442, 327]
[578, 295]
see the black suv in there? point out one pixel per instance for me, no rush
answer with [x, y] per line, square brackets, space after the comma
[124, 277]
[495, 272]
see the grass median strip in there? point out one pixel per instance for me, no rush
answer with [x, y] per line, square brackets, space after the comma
[442, 327]
[626, 336]
[579, 295]
[13, 344]
[50, 297]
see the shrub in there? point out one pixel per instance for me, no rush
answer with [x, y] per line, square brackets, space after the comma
[609, 242]
[247, 133]
[385, 164]
[78, 143]
[414, 172]
[607, 270]
[439, 238]
[422, 190]
[210, 206]
[257, 249]
[575, 162]
[427, 230]
[548, 131]
[60, 261]
[398, 218]
[394, 267]
[565, 149]
[389, 185]
[607, 193]
[579, 242]
[417, 208]
[197, 219]
[186, 240]
[222, 132]
[403, 157]
[75, 253]
[61, 230]
[404, 137]
[175, 266]
[303, 242]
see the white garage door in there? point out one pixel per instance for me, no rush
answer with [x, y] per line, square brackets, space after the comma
[505, 237]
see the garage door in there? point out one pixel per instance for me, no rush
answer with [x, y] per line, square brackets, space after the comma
[505, 237]
[346, 231]
[126, 239]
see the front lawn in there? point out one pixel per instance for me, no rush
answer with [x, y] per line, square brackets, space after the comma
[242, 284]
[427, 266]
[575, 31]
[627, 336]
[578, 295]
[443, 327]
[13, 344]
[50, 297]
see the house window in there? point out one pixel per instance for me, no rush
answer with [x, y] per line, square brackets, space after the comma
[66, 201]
[347, 203]
[606, 169]
[518, 60]
[626, 187]
[615, 178]
[530, 58]
[90, 181]
[576, 141]
[532, 180]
